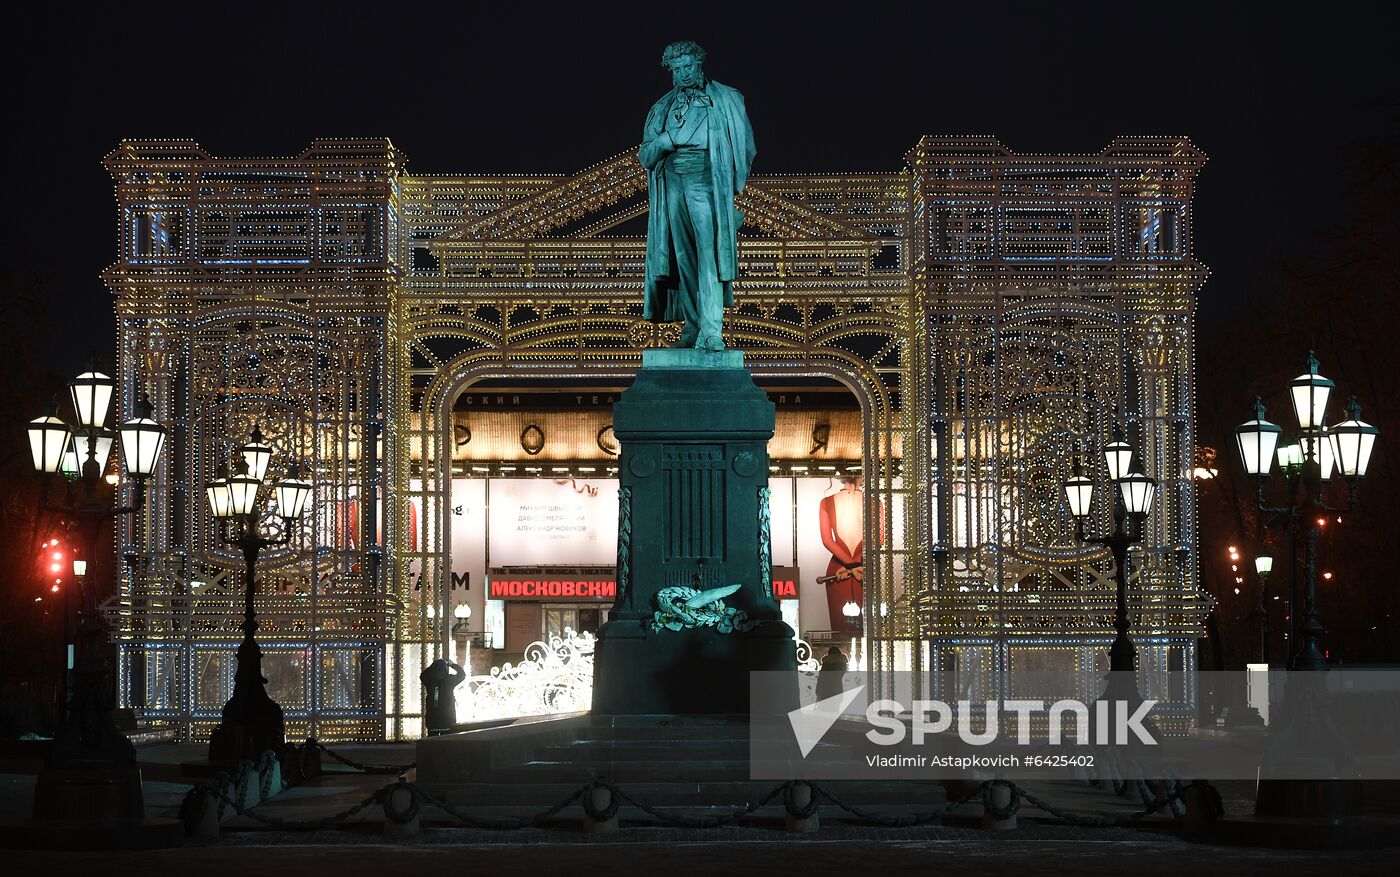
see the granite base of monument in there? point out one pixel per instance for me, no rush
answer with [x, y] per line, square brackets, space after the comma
[689, 765]
[686, 672]
[695, 611]
[695, 614]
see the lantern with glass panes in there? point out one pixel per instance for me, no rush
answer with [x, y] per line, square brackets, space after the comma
[1308, 464]
[1132, 493]
[80, 452]
[252, 720]
[1263, 565]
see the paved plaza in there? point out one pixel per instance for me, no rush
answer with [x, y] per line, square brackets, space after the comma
[958, 846]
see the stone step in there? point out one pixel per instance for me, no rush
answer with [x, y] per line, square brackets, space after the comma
[672, 771]
[724, 731]
[769, 816]
[663, 750]
[720, 794]
[646, 750]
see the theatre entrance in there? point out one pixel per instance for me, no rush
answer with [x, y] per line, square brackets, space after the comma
[558, 620]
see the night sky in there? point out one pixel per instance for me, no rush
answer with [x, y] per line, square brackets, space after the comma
[522, 87]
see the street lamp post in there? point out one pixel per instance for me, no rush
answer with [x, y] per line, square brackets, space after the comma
[252, 721]
[1308, 468]
[1131, 503]
[1263, 565]
[91, 765]
[462, 613]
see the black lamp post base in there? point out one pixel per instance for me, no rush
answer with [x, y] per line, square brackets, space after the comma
[149, 833]
[1309, 658]
[96, 793]
[231, 743]
[1314, 799]
[91, 808]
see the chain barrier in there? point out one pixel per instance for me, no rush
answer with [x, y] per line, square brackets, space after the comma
[698, 821]
[500, 824]
[394, 769]
[201, 794]
[270, 773]
[221, 781]
[240, 790]
[192, 808]
[1178, 803]
[907, 821]
[1098, 821]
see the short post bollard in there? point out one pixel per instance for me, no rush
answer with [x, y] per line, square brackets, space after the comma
[1128, 790]
[247, 785]
[600, 808]
[228, 792]
[401, 810]
[301, 763]
[999, 805]
[269, 775]
[309, 759]
[1203, 808]
[202, 821]
[800, 808]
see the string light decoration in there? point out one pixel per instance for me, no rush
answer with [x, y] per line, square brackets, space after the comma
[987, 310]
[1058, 297]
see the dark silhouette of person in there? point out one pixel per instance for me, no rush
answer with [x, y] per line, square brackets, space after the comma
[834, 666]
[440, 679]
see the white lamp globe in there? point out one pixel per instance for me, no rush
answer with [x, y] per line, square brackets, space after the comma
[49, 438]
[1309, 392]
[1352, 442]
[1256, 440]
[92, 397]
[1079, 492]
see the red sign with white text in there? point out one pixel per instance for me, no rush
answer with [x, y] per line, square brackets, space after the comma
[785, 579]
[553, 589]
[558, 584]
[587, 584]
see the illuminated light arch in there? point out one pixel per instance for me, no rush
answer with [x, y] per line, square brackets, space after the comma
[896, 280]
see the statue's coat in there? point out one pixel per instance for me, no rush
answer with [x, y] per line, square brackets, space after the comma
[731, 150]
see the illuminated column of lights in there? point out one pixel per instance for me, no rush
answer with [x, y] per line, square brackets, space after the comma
[1146, 341]
[317, 229]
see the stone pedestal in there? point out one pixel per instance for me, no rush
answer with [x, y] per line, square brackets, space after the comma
[693, 498]
[231, 743]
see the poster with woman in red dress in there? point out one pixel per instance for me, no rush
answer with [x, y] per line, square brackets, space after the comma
[842, 521]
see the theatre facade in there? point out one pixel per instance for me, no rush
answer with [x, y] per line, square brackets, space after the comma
[443, 351]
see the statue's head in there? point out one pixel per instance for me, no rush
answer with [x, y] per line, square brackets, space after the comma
[685, 60]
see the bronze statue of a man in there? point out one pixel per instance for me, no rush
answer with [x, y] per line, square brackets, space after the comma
[697, 147]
